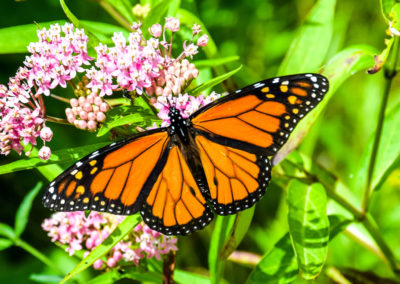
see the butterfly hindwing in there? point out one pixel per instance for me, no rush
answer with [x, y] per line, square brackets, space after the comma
[112, 179]
[236, 179]
[175, 204]
[260, 117]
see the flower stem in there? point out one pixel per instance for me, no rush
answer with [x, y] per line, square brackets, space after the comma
[117, 16]
[27, 247]
[64, 100]
[390, 73]
[372, 228]
[57, 120]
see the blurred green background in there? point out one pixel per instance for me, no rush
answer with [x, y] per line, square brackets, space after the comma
[260, 32]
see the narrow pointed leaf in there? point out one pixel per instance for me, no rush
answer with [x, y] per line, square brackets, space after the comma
[388, 157]
[22, 216]
[117, 235]
[215, 81]
[239, 229]
[310, 46]
[222, 228]
[308, 226]
[61, 156]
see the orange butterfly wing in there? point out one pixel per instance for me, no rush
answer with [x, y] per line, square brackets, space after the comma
[236, 179]
[175, 204]
[261, 117]
[112, 178]
[236, 134]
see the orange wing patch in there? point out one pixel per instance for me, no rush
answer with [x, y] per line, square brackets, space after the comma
[175, 204]
[261, 116]
[236, 178]
[110, 179]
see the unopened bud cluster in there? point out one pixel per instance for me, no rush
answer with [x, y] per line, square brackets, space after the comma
[174, 79]
[86, 112]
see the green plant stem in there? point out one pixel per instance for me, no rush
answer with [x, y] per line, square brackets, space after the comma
[57, 120]
[117, 16]
[372, 228]
[390, 73]
[65, 100]
[27, 247]
[329, 181]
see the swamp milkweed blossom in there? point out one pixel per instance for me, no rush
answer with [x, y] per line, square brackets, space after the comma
[79, 233]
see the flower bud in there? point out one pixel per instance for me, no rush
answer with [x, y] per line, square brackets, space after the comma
[203, 40]
[98, 264]
[155, 30]
[46, 134]
[100, 116]
[44, 153]
[74, 102]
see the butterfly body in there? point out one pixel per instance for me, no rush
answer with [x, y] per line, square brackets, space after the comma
[217, 160]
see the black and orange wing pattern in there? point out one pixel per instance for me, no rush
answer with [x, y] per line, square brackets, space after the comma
[236, 134]
[236, 179]
[260, 117]
[175, 204]
[112, 179]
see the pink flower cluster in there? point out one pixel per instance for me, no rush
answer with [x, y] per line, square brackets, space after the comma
[138, 63]
[82, 233]
[56, 58]
[174, 79]
[87, 112]
[185, 103]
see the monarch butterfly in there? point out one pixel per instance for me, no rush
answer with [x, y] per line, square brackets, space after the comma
[217, 159]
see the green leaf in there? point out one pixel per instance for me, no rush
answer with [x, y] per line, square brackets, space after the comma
[93, 40]
[7, 231]
[5, 244]
[211, 83]
[277, 266]
[117, 235]
[61, 156]
[124, 7]
[337, 223]
[388, 156]
[123, 115]
[16, 39]
[103, 31]
[310, 45]
[184, 277]
[222, 229]
[22, 216]
[208, 63]
[239, 229]
[342, 66]
[308, 226]
[156, 13]
[114, 275]
[386, 7]
[44, 278]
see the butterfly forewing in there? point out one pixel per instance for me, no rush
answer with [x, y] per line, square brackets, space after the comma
[261, 117]
[113, 179]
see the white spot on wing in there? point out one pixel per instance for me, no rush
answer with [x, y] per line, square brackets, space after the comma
[258, 85]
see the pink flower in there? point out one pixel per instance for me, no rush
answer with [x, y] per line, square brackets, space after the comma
[82, 233]
[196, 29]
[46, 134]
[155, 30]
[190, 50]
[44, 153]
[203, 40]
[172, 24]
